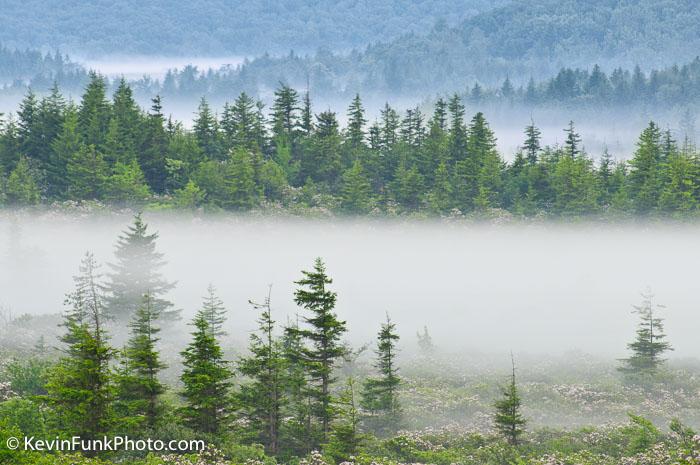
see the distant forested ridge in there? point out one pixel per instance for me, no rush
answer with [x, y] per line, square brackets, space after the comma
[289, 157]
[17, 67]
[677, 85]
[398, 47]
[206, 27]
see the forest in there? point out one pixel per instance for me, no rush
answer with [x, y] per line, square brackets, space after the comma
[108, 151]
[298, 392]
[223, 28]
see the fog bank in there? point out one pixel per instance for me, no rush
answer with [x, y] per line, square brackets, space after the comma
[536, 288]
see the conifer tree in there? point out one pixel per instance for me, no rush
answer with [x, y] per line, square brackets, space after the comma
[94, 112]
[153, 156]
[214, 312]
[345, 437]
[573, 141]
[356, 193]
[87, 173]
[380, 394]
[206, 132]
[532, 143]
[263, 398]
[650, 344]
[285, 114]
[425, 341]
[138, 386]
[206, 380]
[645, 171]
[137, 272]
[508, 419]
[298, 432]
[323, 332]
[458, 129]
[22, 186]
[355, 135]
[63, 147]
[79, 388]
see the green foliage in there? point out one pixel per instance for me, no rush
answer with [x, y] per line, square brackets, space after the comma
[79, 386]
[138, 386]
[508, 419]
[206, 381]
[323, 332]
[649, 345]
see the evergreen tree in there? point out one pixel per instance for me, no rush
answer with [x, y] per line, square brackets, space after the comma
[458, 129]
[380, 394]
[650, 343]
[214, 312]
[87, 174]
[206, 132]
[355, 135]
[22, 187]
[138, 386]
[94, 113]
[28, 126]
[206, 380]
[572, 142]
[153, 156]
[532, 143]
[425, 341]
[508, 419]
[323, 332]
[64, 146]
[285, 114]
[262, 399]
[356, 192]
[136, 272]
[345, 438]
[79, 388]
[645, 171]
[241, 188]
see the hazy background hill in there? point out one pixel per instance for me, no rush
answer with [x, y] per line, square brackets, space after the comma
[216, 27]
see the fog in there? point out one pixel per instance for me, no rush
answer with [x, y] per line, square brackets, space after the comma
[540, 289]
[155, 67]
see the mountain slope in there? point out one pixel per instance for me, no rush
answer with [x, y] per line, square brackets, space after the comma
[216, 27]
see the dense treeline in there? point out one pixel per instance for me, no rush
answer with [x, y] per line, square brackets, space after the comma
[19, 66]
[294, 391]
[112, 151]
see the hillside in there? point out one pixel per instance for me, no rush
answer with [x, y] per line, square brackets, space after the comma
[217, 27]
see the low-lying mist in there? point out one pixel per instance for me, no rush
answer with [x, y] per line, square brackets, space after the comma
[537, 289]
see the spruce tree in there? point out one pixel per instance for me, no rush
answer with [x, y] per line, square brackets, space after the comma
[138, 386]
[356, 191]
[214, 312]
[345, 437]
[323, 331]
[355, 135]
[86, 173]
[532, 144]
[645, 176]
[206, 381]
[94, 112]
[380, 394]
[650, 344]
[80, 386]
[508, 418]
[137, 272]
[262, 399]
[572, 142]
